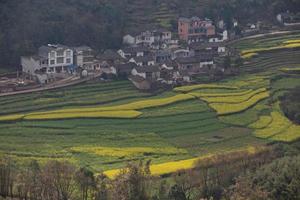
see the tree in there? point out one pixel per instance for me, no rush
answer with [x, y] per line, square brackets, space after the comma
[101, 190]
[177, 193]
[85, 179]
[227, 63]
[58, 181]
[132, 182]
[244, 190]
[7, 176]
[28, 182]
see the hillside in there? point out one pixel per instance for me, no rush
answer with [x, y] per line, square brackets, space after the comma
[28, 24]
[105, 125]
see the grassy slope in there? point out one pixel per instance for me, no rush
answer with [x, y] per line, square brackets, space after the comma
[191, 126]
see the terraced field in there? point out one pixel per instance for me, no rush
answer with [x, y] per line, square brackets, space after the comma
[103, 125]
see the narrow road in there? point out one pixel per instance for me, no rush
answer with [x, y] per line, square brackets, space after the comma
[59, 84]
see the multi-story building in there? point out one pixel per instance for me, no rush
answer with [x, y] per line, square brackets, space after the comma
[84, 58]
[195, 29]
[58, 58]
[50, 59]
[148, 38]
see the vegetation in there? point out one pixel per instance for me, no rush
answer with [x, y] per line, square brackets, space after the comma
[259, 174]
[227, 108]
[202, 86]
[290, 105]
[280, 128]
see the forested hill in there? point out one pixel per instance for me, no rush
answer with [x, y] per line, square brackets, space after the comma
[27, 24]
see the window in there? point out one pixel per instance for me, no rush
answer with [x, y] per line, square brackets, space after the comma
[68, 53]
[60, 53]
[52, 54]
[52, 62]
[59, 60]
[68, 60]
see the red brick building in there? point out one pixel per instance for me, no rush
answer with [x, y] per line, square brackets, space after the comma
[195, 29]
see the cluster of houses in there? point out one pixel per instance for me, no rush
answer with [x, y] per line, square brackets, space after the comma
[53, 62]
[288, 19]
[148, 59]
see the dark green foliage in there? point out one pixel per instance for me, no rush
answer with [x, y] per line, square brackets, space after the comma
[281, 178]
[27, 24]
[290, 105]
[177, 193]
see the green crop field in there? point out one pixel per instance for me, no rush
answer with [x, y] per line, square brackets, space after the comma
[104, 125]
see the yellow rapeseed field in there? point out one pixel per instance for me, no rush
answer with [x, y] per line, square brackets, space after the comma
[11, 117]
[291, 41]
[288, 135]
[290, 70]
[234, 99]
[172, 167]
[249, 55]
[229, 108]
[262, 122]
[202, 86]
[230, 94]
[283, 46]
[279, 124]
[129, 151]
[105, 114]
[138, 105]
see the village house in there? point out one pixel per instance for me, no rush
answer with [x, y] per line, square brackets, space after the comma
[288, 19]
[108, 59]
[54, 60]
[195, 29]
[219, 37]
[162, 56]
[84, 59]
[124, 70]
[130, 52]
[143, 60]
[180, 52]
[149, 38]
[194, 65]
[150, 72]
[211, 49]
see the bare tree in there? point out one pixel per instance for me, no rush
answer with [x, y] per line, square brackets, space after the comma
[58, 180]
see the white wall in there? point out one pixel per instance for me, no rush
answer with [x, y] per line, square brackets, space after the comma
[135, 73]
[128, 39]
[65, 57]
[29, 65]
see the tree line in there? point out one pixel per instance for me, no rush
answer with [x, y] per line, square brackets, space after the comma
[268, 174]
[25, 25]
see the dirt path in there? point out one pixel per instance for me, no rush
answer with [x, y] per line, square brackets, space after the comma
[59, 84]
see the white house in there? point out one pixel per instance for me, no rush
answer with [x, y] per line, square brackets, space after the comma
[50, 59]
[143, 60]
[131, 52]
[129, 40]
[149, 72]
[59, 57]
